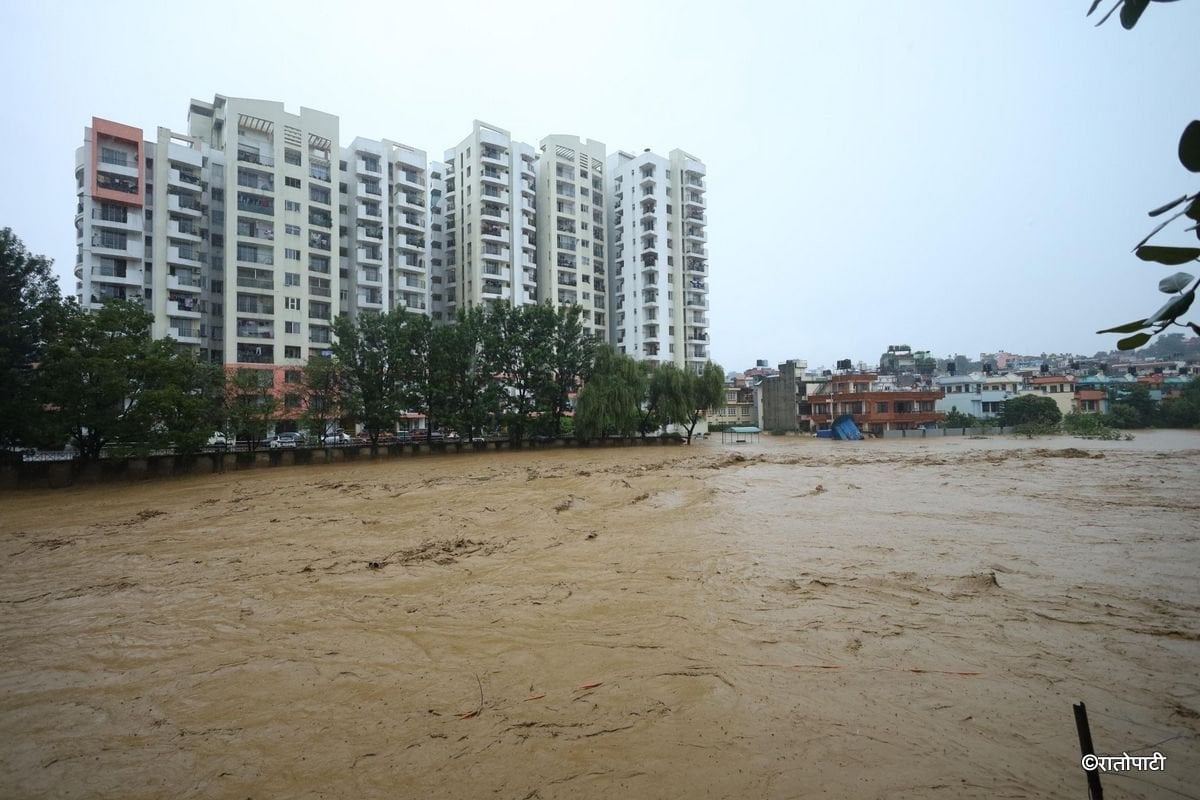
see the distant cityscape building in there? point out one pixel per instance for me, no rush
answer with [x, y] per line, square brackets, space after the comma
[246, 236]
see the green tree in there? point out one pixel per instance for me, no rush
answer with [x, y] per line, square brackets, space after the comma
[610, 401]
[30, 310]
[251, 403]
[109, 383]
[181, 399]
[1184, 411]
[369, 351]
[465, 393]
[1031, 411]
[572, 356]
[418, 389]
[322, 388]
[703, 392]
[519, 347]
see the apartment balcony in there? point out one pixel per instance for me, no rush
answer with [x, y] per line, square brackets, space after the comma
[370, 211]
[371, 189]
[181, 282]
[693, 180]
[567, 297]
[410, 222]
[494, 213]
[185, 334]
[694, 200]
[250, 156]
[366, 233]
[492, 290]
[649, 299]
[115, 244]
[185, 230]
[696, 266]
[411, 201]
[322, 219]
[369, 276]
[696, 250]
[493, 233]
[183, 256]
[412, 301]
[409, 180]
[495, 195]
[186, 205]
[410, 241]
[256, 181]
[497, 273]
[367, 166]
[650, 274]
[184, 180]
[370, 300]
[528, 260]
[255, 205]
[529, 276]
[695, 301]
[696, 234]
[120, 220]
[494, 157]
[491, 253]
[494, 177]
[528, 221]
[131, 275]
[321, 172]
[366, 254]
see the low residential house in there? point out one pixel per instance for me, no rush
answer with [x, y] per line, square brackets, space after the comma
[1059, 388]
[978, 394]
[739, 408]
[876, 405]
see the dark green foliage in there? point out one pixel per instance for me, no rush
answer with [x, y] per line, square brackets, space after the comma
[30, 311]
[1183, 411]
[610, 401]
[1030, 409]
[251, 404]
[957, 419]
[323, 387]
[108, 383]
[373, 354]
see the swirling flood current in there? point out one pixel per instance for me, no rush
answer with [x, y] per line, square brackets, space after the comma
[792, 618]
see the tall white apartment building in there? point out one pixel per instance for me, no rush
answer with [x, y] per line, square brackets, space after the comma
[408, 228]
[658, 260]
[441, 299]
[571, 228]
[246, 236]
[363, 209]
[273, 213]
[491, 235]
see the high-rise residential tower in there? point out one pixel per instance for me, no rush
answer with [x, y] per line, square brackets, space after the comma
[571, 228]
[274, 213]
[491, 227]
[247, 235]
[658, 260]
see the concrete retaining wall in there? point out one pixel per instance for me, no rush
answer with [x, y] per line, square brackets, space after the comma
[60, 474]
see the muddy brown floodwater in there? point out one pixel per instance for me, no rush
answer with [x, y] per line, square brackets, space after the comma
[897, 618]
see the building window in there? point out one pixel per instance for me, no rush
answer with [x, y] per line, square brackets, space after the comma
[293, 230]
[291, 327]
[291, 156]
[292, 376]
[291, 255]
[291, 279]
[292, 182]
[291, 351]
[291, 303]
[291, 205]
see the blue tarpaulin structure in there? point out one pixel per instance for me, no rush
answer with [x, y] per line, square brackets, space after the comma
[844, 429]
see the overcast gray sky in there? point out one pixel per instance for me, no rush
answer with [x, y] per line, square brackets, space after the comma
[956, 175]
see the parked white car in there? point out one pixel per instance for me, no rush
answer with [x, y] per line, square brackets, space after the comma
[218, 440]
[337, 439]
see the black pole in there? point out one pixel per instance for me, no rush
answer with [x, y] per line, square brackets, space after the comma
[1095, 792]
